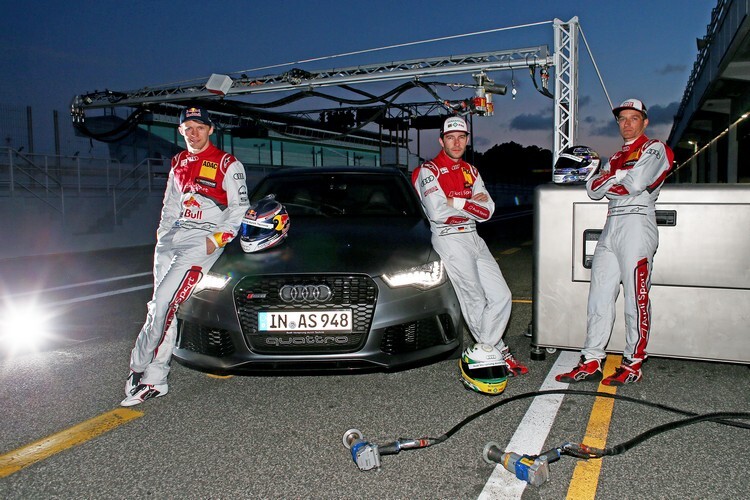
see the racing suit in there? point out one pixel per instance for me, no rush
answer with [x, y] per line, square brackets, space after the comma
[482, 292]
[206, 197]
[624, 253]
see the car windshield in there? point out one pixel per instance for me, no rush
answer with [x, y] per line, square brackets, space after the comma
[342, 194]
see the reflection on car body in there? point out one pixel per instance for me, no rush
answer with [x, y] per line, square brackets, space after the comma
[355, 285]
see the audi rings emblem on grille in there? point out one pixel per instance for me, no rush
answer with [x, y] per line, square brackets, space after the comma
[305, 293]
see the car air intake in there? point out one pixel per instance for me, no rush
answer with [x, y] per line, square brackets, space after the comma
[410, 337]
[203, 340]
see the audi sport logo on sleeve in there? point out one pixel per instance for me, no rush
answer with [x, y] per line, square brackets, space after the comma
[305, 293]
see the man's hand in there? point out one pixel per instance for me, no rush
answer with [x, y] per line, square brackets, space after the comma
[480, 197]
[210, 245]
[218, 240]
[601, 179]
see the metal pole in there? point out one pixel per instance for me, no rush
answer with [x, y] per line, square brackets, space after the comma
[10, 164]
[566, 84]
[30, 129]
[56, 127]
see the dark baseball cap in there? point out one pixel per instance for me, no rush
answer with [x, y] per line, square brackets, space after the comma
[197, 114]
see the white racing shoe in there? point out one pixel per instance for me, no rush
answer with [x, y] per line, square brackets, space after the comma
[143, 392]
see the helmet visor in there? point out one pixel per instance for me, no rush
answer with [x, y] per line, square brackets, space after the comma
[253, 232]
[486, 373]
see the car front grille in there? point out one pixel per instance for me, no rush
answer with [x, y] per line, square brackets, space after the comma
[214, 342]
[410, 337]
[254, 294]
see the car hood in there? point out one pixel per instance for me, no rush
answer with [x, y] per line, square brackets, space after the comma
[371, 246]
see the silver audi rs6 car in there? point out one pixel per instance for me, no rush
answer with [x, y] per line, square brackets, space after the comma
[355, 285]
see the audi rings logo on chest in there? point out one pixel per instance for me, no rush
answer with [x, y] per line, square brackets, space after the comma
[305, 293]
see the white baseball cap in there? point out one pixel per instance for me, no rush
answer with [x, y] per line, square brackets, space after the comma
[633, 104]
[455, 124]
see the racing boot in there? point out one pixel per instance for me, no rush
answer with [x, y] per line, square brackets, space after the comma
[587, 369]
[144, 392]
[515, 368]
[628, 372]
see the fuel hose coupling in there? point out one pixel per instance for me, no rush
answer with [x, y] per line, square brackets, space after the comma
[532, 469]
[367, 455]
[364, 454]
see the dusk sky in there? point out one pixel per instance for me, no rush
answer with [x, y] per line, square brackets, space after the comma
[51, 51]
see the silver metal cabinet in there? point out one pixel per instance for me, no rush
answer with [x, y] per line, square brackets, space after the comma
[700, 290]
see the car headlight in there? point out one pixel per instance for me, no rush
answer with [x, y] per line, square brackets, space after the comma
[423, 277]
[212, 281]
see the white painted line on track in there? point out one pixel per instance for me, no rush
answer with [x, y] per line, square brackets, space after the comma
[531, 434]
[101, 295]
[86, 283]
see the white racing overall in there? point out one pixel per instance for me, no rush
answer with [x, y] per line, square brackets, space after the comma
[631, 180]
[482, 292]
[206, 197]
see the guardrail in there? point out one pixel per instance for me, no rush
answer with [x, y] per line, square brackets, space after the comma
[22, 173]
[137, 181]
[52, 178]
[45, 171]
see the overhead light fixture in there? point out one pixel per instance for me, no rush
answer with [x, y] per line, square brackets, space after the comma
[219, 84]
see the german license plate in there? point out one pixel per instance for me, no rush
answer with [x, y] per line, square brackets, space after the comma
[305, 321]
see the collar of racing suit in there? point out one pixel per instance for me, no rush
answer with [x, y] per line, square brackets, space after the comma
[635, 143]
[443, 160]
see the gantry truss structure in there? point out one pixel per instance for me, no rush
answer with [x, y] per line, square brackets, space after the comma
[564, 61]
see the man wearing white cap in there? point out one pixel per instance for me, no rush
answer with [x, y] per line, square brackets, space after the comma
[631, 181]
[455, 198]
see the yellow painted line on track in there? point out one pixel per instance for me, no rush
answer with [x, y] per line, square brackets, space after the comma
[522, 301]
[211, 375]
[510, 251]
[586, 474]
[16, 460]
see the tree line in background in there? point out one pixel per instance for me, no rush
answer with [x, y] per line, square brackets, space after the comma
[512, 163]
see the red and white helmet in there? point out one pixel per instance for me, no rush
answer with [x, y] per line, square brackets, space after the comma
[265, 225]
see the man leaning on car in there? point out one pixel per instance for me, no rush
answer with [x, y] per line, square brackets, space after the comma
[454, 197]
[205, 200]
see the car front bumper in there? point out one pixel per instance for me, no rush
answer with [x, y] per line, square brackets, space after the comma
[404, 326]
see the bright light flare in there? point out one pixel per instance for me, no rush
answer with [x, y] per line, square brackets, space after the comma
[24, 327]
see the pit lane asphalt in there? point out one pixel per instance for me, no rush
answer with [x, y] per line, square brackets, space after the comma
[280, 436]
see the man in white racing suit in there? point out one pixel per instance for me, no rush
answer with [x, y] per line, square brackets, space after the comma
[631, 181]
[204, 202]
[455, 198]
